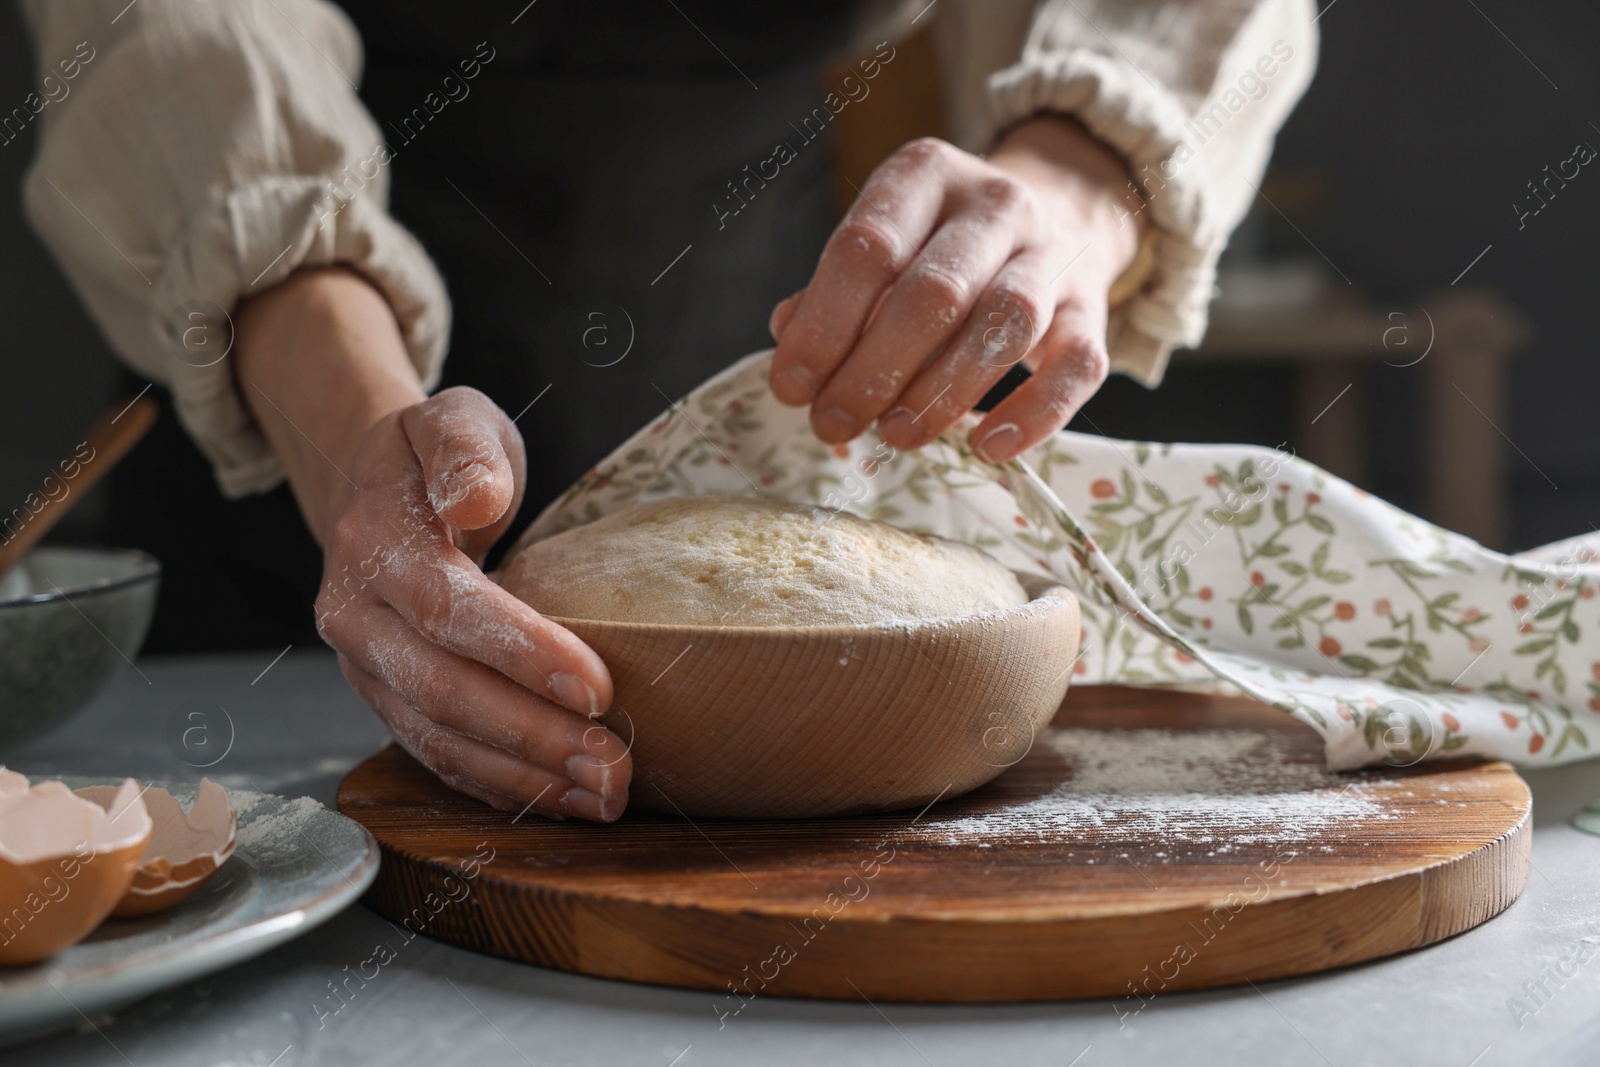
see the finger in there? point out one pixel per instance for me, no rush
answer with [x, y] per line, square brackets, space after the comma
[1007, 322]
[925, 309]
[471, 457]
[409, 562]
[473, 700]
[782, 313]
[1072, 366]
[877, 239]
[483, 771]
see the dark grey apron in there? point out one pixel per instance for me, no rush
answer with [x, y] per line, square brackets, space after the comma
[594, 149]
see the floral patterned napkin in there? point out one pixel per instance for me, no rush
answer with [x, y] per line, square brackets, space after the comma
[1228, 568]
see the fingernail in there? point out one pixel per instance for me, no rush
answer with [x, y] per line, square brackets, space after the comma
[999, 444]
[458, 484]
[575, 693]
[591, 773]
[835, 424]
[587, 805]
[795, 384]
[901, 425]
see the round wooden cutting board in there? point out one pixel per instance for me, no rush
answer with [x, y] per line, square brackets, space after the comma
[1148, 842]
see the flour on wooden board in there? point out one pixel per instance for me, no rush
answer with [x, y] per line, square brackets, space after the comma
[1217, 788]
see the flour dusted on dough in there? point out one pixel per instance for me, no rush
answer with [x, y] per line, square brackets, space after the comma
[739, 561]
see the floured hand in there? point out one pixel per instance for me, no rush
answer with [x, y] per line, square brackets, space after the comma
[950, 269]
[498, 701]
[493, 697]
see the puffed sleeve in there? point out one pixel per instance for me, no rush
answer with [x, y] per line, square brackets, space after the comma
[1190, 92]
[198, 153]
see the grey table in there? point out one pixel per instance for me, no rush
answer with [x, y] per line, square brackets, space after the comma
[296, 729]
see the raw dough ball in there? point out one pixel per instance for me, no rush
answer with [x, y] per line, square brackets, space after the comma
[740, 561]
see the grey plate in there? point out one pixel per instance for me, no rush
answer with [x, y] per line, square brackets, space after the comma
[297, 864]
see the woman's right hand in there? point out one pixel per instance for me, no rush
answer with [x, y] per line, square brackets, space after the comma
[498, 701]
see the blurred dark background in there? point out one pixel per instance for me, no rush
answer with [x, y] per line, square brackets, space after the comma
[1421, 130]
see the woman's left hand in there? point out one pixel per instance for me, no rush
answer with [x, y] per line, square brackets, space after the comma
[950, 269]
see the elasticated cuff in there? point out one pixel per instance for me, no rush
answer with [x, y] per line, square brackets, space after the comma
[228, 257]
[1146, 125]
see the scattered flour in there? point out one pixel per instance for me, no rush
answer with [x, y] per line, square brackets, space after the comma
[279, 827]
[1219, 788]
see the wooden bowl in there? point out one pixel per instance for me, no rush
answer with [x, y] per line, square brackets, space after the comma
[799, 721]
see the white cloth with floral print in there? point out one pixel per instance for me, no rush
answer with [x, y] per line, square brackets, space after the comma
[1225, 567]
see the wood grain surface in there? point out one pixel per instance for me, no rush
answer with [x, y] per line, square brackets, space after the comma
[1053, 881]
[768, 720]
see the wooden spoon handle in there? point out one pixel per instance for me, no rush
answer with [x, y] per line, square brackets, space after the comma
[118, 430]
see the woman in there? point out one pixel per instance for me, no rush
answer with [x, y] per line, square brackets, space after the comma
[556, 160]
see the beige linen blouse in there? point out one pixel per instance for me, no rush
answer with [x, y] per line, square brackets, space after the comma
[205, 150]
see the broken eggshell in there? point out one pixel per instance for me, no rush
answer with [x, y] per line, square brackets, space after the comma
[184, 850]
[65, 862]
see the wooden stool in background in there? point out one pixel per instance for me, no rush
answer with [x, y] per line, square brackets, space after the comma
[1465, 414]
[904, 103]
